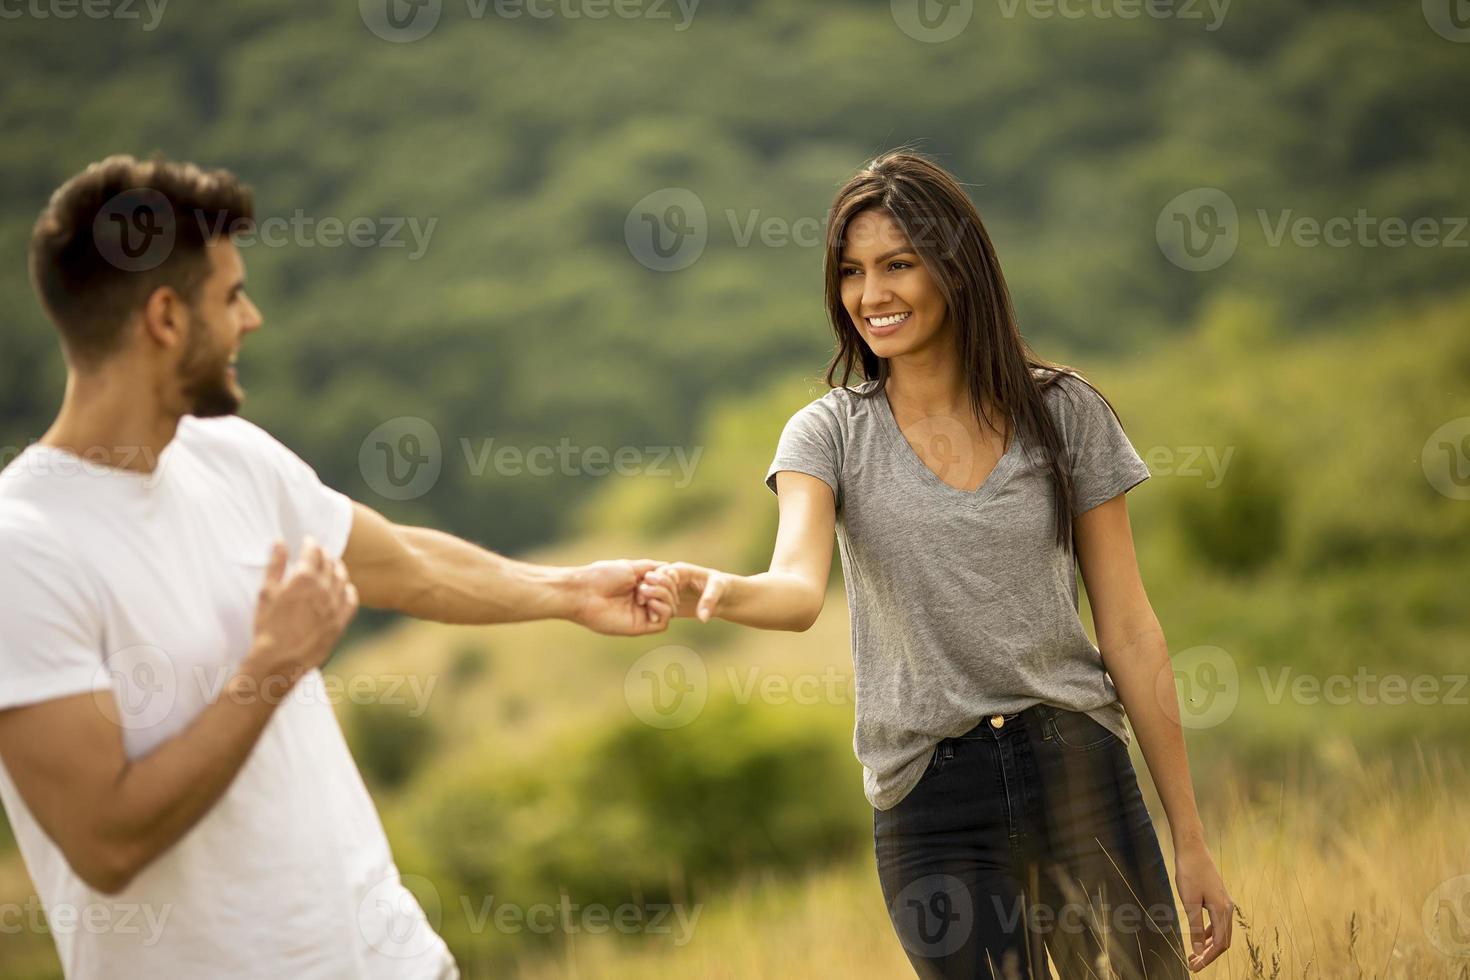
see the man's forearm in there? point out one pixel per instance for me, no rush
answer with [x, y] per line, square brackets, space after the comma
[458, 582]
[1136, 664]
[162, 795]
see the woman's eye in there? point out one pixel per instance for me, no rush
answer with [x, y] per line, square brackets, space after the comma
[849, 272]
[896, 266]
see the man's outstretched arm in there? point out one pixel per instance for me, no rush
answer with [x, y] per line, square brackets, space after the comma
[432, 575]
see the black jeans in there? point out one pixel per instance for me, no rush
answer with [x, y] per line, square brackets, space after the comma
[1025, 840]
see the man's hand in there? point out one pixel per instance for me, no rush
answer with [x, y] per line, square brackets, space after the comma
[698, 591]
[613, 599]
[302, 613]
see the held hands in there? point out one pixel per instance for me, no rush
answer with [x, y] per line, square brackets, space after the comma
[695, 590]
[614, 599]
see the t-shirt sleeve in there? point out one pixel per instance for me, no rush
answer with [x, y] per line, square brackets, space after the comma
[306, 505]
[1104, 463]
[811, 443]
[50, 630]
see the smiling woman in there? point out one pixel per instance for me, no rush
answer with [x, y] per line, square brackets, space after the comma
[966, 479]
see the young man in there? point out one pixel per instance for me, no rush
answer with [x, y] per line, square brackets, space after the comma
[173, 578]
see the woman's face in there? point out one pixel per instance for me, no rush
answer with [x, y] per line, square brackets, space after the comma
[888, 292]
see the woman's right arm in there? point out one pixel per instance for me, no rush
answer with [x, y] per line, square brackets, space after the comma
[790, 595]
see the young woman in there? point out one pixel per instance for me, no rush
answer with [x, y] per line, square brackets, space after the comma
[967, 479]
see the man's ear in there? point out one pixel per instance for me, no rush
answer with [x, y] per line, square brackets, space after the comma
[164, 319]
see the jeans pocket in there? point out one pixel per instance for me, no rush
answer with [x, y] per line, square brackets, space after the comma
[943, 752]
[1079, 732]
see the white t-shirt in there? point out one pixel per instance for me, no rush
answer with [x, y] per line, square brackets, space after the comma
[147, 584]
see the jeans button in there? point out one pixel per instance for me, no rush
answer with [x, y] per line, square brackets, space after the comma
[997, 720]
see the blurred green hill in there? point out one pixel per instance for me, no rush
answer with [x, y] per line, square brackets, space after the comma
[528, 142]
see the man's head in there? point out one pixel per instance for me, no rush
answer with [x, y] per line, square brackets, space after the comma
[132, 261]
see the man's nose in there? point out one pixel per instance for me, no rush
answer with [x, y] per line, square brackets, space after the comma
[252, 321]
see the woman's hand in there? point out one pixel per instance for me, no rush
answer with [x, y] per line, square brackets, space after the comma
[1201, 888]
[698, 591]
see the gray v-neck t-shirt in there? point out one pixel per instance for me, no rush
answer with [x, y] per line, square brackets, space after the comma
[962, 604]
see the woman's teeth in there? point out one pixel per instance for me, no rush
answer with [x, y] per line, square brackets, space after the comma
[888, 321]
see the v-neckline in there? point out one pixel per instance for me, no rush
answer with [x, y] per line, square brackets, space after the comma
[921, 469]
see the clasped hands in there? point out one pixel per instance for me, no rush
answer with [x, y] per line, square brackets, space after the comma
[638, 597]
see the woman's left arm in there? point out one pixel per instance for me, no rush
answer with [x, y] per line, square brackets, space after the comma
[1135, 655]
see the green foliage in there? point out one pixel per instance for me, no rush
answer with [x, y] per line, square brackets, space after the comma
[389, 740]
[635, 813]
[1239, 525]
[527, 320]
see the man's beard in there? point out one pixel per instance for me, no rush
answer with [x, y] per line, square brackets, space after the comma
[205, 375]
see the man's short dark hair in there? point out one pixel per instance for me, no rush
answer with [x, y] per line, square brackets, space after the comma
[121, 229]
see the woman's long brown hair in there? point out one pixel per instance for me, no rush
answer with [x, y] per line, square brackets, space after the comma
[947, 233]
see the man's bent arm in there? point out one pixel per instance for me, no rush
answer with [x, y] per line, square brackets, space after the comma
[111, 817]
